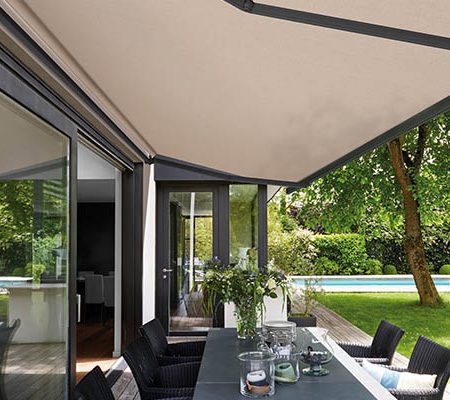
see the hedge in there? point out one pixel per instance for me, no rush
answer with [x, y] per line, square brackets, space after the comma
[344, 254]
[390, 251]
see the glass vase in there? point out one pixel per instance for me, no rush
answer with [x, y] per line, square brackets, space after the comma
[257, 374]
[246, 320]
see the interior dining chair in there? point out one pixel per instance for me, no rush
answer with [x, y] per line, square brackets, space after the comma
[173, 353]
[108, 290]
[154, 381]
[94, 292]
[383, 346]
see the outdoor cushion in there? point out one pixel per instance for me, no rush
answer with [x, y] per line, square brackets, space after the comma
[391, 379]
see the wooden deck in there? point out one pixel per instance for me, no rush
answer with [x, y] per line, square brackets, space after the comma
[340, 330]
[29, 366]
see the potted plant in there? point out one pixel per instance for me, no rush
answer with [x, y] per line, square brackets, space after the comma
[308, 297]
[244, 285]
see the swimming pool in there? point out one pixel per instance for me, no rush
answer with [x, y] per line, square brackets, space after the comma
[6, 281]
[373, 283]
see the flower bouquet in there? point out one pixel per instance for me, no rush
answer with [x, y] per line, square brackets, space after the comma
[245, 286]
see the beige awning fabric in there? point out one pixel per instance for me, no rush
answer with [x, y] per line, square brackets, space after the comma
[206, 83]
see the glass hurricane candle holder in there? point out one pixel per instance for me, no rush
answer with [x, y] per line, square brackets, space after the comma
[257, 374]
[316, 351]
[286, 361]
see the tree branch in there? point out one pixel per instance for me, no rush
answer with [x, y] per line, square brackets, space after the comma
[407, 159]
[421, 144]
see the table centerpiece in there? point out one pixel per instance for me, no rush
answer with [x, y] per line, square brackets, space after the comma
[246, 286]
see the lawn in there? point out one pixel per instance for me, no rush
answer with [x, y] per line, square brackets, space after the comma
[365, 310]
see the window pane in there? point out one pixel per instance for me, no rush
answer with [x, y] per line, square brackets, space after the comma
[33, 255]
[191, 244]
[243, 224]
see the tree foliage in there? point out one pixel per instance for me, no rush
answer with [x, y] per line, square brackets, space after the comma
[364, 197]
[404, 184]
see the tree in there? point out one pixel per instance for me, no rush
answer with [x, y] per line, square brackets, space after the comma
[399, 186]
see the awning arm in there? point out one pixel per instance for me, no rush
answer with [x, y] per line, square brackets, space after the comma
[342, 24]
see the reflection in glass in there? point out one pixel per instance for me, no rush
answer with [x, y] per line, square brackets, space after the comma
[33, 256]
[243, 224]
[191, 245]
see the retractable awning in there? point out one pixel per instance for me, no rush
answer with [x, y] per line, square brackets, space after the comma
[281, 91]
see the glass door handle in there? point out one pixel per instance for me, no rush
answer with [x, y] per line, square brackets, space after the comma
[167, 270]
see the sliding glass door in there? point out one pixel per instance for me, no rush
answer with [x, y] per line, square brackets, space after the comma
[34, 249]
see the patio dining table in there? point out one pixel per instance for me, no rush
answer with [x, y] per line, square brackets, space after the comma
[220, 369]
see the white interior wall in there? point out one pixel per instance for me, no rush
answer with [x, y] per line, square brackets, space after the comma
[118, 266]
[148, 268]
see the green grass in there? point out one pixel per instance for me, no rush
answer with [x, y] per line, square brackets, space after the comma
[3, 307]
[365, 310]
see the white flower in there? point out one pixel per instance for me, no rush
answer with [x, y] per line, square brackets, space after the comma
[271, 284]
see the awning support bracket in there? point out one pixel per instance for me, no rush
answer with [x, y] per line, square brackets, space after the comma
[342, 24]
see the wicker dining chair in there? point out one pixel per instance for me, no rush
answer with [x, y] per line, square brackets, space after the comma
[157, 382]
[6, 334]
[93, 386]
[174, 353]
[383, 346]
[428, 357]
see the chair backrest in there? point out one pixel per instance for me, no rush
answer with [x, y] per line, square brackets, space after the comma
[6, 334]
[94, 386]
[386, 340]
[94, 289]
[143, 364]
[85, 273]
[429, 357]
[108, 290]
[154, 334]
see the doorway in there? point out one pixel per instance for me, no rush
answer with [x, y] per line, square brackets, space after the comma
[188, 216]
[98, 260]
[196, 222]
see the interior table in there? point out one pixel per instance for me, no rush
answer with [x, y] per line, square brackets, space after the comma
[220, 369]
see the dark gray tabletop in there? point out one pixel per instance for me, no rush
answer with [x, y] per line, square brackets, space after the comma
[219, 375]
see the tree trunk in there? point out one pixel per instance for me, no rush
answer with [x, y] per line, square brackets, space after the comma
[414, 246]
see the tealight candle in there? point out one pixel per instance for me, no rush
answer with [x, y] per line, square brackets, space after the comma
[256, 377]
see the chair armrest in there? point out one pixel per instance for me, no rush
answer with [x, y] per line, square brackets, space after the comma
[171, 360]
[415, 394]
[379, 361]
[355, 350]
[186, 349]
[178, 375]
[155, 393]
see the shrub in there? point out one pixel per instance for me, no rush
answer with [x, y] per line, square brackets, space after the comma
[373, 267]
[390, 269]
[445, 269]
[293, 252]
[388, 247]
[325, 266]
[18, 271]
[348, 251]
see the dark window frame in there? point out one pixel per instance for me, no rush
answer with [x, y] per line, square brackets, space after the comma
[18, 83]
